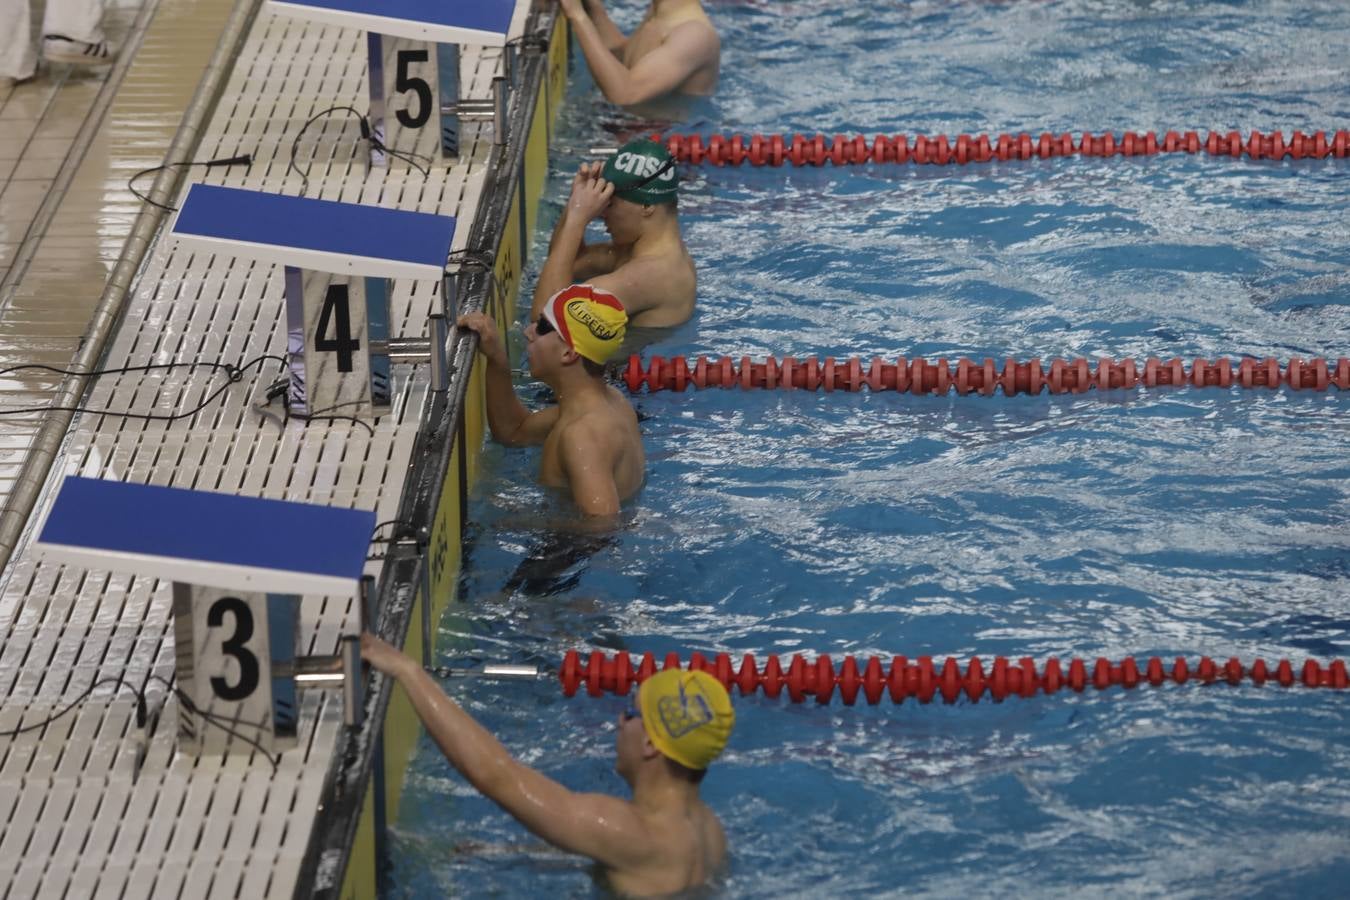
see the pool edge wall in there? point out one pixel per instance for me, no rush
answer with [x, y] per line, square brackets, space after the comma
[362, 791]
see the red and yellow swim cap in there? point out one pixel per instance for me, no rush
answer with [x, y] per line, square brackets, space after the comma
[589, 319]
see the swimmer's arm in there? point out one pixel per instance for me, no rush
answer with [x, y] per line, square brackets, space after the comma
[639, 284]
[614, 39]
[556, 272]
[511, 424]
[589, 195]
[588, 460]
[593, 260]
[660, 72]
[601, 827]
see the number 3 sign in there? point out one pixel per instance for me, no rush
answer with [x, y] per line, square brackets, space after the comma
[227, 645]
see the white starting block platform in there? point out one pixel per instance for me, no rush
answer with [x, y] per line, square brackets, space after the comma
[91, 803]
[198, 537]
[338, 259]
[239, 566]
[480, 22]
[413, 53]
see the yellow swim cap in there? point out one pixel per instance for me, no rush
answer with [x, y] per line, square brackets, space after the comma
[687, 716]
[589, 319]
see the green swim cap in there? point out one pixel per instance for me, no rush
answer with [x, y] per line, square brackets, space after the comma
[643, 172]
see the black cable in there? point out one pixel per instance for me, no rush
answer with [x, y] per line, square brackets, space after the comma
[141, 716]
[389, 540]
[420, 163]
[241, 160]
[234, 373]
[295, 144]
[325, 413]
[74, 703]
[218, 721]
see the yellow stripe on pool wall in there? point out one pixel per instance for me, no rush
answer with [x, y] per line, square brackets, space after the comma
[359, 882]
[401, 728]
[545, 114]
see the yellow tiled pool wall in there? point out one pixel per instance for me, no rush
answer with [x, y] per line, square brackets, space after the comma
[401, 727]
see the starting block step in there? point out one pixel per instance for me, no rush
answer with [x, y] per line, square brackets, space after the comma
[202, 538]
[339, 258]
[238, 566]
[480, 22]
[320, 235]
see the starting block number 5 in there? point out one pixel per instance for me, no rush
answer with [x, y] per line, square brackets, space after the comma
[405, 104]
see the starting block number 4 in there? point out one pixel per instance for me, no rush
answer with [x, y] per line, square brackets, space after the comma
[332, 369]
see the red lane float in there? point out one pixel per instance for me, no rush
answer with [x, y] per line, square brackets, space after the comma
[919, 376]
[922, 679]
[842, 150]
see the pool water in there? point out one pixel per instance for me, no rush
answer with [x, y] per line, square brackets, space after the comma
[1168, 522]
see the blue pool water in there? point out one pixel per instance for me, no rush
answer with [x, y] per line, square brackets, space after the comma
[1172, 522]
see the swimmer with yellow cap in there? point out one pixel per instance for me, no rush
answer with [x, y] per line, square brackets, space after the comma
[663, 841]
[591, 441]
[635, 194]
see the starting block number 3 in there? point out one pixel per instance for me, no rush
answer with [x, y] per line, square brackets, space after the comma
[234, 645]
[228, 646]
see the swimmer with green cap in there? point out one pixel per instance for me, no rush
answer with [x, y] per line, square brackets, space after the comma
[663, 841]
[645, 264]
[591, 443]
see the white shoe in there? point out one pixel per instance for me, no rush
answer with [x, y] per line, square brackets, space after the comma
[9, 81]
[61, 49]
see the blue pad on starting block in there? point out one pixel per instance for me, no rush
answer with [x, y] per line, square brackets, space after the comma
[204, 538]
[481, 22]
[322, 235]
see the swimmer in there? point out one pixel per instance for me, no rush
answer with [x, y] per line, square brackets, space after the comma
[590, 438]
[647, 264]
[675, 51]
[664, 840]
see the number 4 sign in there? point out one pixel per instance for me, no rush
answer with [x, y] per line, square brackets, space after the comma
[331, 328]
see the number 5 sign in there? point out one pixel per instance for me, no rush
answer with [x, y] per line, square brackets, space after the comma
[405, 97]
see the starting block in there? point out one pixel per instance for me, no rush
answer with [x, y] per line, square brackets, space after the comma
[238, 566]
[339, 258]
[413, 48]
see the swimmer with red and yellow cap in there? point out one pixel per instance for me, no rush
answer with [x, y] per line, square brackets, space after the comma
[591, 441]
[663, 841]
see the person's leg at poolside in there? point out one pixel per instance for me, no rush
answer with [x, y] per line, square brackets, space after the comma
[72, 32]
[18, 59]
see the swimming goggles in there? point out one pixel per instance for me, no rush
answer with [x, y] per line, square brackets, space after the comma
[661, 170]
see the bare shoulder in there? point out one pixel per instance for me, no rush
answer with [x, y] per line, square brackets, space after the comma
[715, 838]
[621, 406]
[693, 33]
[600, 427]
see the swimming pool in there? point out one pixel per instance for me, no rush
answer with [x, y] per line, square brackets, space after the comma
[1170, 522]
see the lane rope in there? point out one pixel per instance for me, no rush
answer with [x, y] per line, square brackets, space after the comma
[842, 150]
[919, 376]
[924, 680]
